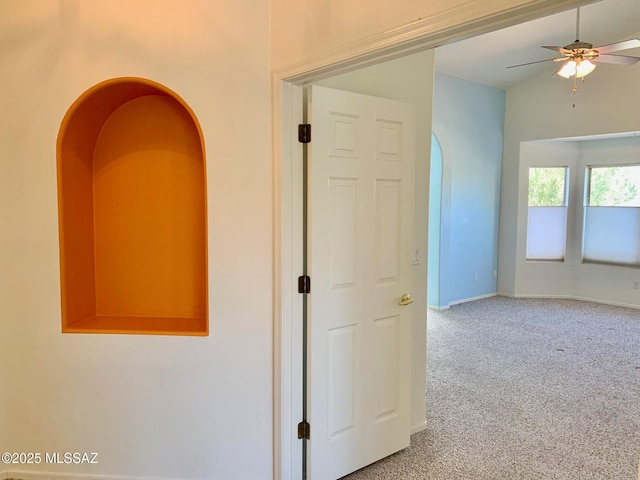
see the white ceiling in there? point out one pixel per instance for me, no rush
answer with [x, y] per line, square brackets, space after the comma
[483, 59]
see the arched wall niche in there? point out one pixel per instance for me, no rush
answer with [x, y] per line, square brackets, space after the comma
[132, 212]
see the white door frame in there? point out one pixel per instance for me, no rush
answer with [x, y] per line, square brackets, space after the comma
[467, 20]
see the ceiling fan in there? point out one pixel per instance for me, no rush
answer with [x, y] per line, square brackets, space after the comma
[578, 58]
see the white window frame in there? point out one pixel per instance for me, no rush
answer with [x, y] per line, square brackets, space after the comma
[610, 234]
[549, 215]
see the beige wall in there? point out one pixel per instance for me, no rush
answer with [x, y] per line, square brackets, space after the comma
[315, 30]
[322, 25]
[172, 407]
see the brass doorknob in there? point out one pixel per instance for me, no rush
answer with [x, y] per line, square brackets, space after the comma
[406, 299]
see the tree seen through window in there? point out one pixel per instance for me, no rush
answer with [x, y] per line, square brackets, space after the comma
[547, 186]
[614, 186]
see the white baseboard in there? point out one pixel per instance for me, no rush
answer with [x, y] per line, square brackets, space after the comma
[464, 300]
[418, 428]
[571, 297]
[433, 307]
[529, 295]
[471, 299]
[606, 302]
[19, 475]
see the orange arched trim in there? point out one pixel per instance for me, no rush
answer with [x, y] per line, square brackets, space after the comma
[132, 212]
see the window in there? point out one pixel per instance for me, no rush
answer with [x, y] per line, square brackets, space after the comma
[547, 215]
[612, 215]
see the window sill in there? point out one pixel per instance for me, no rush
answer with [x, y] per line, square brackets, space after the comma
[544, 260]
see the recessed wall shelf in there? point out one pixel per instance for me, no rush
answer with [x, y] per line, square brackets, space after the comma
[132, 212]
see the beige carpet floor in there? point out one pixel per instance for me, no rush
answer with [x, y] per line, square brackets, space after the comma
[527, 389]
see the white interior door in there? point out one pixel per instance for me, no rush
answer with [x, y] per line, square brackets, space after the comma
[360, 236]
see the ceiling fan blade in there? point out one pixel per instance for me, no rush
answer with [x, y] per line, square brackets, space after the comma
[614, 47]
[556, 49]
[532, 63]
[616, 59]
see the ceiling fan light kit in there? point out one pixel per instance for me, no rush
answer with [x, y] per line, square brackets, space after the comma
[568, 69]
[584, 68]
[579, 68]
[578, 57]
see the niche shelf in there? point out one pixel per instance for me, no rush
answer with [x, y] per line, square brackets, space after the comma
[132, 212]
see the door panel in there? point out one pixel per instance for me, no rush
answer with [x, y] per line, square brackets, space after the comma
[343, 215]
[386, 358]
[388, 203]
[341, 359]
[359, 228]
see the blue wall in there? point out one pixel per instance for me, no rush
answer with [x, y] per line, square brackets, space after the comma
[468, 121]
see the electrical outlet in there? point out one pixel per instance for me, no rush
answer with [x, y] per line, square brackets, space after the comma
[475, 277]
[636, 284]
[495, 274]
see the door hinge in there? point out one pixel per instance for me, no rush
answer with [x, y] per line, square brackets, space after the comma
[304, 430]
[304, 133]
[304, 284]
